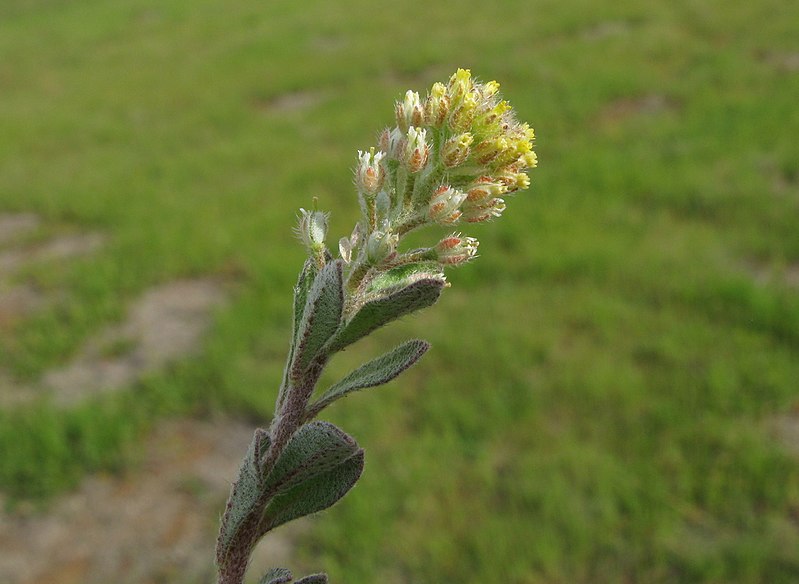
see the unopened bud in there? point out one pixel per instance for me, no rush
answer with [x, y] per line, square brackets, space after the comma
[483, 189]
[445, 205]
[416, 150]
[369, 174]
[454, 250]
[409, 112]
[459, 85]
[479, 213]
[436, 106]
[312, 229]
[462, 115]
[456, 150]
[380, 246]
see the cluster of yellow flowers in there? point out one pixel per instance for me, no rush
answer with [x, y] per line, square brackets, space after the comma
[450, 159]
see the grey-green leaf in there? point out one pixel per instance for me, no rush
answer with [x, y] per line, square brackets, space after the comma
[245, 494]
[313, 495]
[391, 306]
[321, 316]
[374, 373]
[301, 290]
[313, 579]
[277, 576]
[314, 449]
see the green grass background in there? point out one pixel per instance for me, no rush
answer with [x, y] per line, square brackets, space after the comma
[599, 402]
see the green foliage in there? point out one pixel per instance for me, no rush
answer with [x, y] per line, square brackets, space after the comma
[388, 307]
[372, 374]
[317, 493]
[316, 448]
[321, 317]
[246, 495]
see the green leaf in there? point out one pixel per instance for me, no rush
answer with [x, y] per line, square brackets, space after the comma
[321, 316]
[387, 307]
[313, 495]
[301, 290]
[314, 449]
[374, 373]
[313, 579]
[401, 276]
[277, 576]
[284, 576]
[245, 494]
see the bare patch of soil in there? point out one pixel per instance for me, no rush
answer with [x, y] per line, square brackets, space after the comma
[764, 274]
[786, 428]
[158, 524]
[787, 62]
[15, 225]
[16, 302]
[165, 324]
[59, 248]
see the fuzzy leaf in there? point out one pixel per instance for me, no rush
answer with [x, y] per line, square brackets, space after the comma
[315, 494]
[321, 316]
[391, 306]
[301, 289]
[313, 579]
[245, 493]
[314, 449]
[277, 576]
[284, 576]
[374, 373]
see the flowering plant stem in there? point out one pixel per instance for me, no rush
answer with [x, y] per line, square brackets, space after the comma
[448, 160]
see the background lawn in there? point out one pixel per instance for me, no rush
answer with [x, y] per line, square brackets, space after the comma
[607, 384]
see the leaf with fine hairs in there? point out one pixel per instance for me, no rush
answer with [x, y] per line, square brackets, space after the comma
[315, 494]
[244, 495]
[321, 316]
[387, 307]
[374, 373]
[314, 449]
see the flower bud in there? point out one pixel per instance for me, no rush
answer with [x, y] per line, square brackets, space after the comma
[312, 229]
[459, 85]
[462, 115]
[381, 245]
[483, 189]
[456, 150]
[490, 149]
[479, 213]
[369, 174]
[409, 112]
[454, 250]
[513, 180]
[489, 89]
[436, 106]
[416, 151]
[445, 205]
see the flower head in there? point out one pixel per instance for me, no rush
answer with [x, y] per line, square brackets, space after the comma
[455, 249]
[369, 174]
[416, 149]
[312, 230]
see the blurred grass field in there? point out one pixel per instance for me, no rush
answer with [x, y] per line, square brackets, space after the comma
[600, 401]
